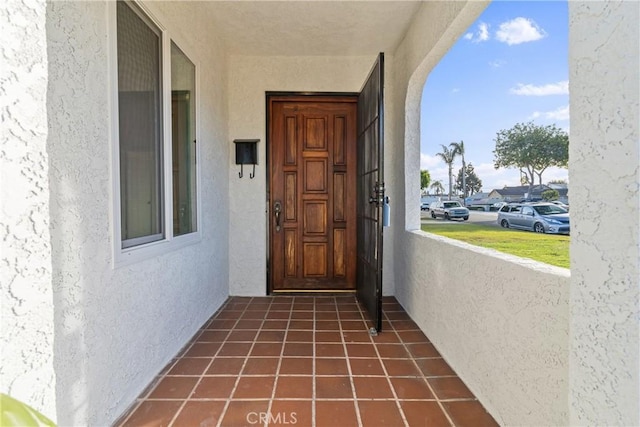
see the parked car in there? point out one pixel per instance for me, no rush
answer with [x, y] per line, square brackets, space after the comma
[449, 209]
[497, 206]
[559, 203]
[538, 217]
[426, 202]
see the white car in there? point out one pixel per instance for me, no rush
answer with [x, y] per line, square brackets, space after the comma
[559, 203]
[449, 209]
[426, 202]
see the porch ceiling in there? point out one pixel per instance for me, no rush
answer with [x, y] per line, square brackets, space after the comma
[311, 28]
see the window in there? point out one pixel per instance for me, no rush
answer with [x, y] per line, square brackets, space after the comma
[527, 210]
[140, 128]
[156, 128]
[183, 85]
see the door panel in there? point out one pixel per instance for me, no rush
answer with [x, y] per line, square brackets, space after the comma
[312, 222]
[371, 191]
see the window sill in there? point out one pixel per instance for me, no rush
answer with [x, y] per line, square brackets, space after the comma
[129, 256]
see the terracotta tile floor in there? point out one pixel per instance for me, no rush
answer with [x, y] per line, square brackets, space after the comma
[307, 361]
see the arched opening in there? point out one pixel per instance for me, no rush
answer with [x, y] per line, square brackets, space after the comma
[504, 81]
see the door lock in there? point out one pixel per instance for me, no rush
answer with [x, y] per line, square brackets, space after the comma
[277, 210]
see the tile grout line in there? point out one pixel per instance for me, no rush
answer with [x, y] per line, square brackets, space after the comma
[413, 359]
[246, 358]
[172, 364]
[182, 356]
[313, 368]
[202, 375]
[348, 359]
[277, 373]
[386, 373]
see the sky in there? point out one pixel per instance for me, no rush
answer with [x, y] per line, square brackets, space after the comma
[510, 66]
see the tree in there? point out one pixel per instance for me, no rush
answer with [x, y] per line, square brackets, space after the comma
[437, 187]
[458, 148]
[448, 155]
[425, 179]
[532, 149]
[471, 180]
[550, 195]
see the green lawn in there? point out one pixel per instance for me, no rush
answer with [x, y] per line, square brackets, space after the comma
[547, 248]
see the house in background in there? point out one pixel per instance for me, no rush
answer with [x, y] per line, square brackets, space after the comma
[520, 193]
[107, 272]
[562, 189]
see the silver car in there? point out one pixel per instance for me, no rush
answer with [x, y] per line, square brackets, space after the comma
[538, 217]
[449, 209]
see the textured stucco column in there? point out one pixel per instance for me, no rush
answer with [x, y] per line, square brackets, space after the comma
[604, 171]
[26, 337]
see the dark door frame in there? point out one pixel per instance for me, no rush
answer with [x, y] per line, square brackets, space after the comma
[269, 96]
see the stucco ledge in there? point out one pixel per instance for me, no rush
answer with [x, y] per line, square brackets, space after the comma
[524, 262]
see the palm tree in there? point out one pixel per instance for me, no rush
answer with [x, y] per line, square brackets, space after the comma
[458, 148]
[448, 155]
[437, 187]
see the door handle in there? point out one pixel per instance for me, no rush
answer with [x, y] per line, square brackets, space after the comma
[377, 196]
[277, 210]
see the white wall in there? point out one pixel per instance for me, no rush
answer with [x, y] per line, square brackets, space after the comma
[26, 296]
[115, 328]
[250, 77]
[604, 169]
[501, 322]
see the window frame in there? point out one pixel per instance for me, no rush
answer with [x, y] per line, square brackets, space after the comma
[132, 254]
[196, 145]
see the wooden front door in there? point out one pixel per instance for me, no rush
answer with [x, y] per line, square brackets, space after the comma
[312, 184]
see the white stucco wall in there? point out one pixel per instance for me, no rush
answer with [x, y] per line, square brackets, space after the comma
[604, 157]
[501, 322]
[250, 77]
[115, 328]
[26, 295]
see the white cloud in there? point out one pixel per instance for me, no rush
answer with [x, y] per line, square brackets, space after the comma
[438, 170]
[480, 35]
[497, 63]
[519, 30]
[483, 32]
[555, 174]
[455, 90]
[559, 114]
[559, 88]
[493, 178]
[429, 162]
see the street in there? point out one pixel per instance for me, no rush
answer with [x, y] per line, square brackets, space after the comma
[475, 217]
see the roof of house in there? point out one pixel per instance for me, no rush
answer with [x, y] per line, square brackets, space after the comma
[477, 196]
[520, 190]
